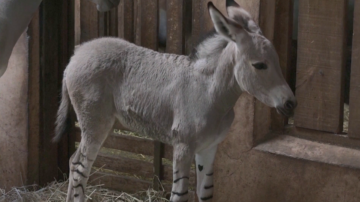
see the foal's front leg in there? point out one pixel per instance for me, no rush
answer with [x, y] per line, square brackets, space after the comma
[205, 173]
[183, 157]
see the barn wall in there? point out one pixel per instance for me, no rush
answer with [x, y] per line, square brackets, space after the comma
[13, 118]
[304, 172]
[256, 176]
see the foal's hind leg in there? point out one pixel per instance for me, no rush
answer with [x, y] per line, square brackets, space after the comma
[81, 163]
[204, 165]
[95, 128]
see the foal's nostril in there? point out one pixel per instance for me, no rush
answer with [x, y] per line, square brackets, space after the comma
[289, 105]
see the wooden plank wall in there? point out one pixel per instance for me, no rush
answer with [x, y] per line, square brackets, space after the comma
[175, 26]
[320, 65]
[354, 103]
[126, 20]
[49, 66]
[147, 36]
[276, 19]
[67, 42]
[320, 68]
[50, 49]
[34, 100]
[89, 24]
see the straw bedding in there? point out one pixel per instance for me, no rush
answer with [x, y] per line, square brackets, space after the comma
[56, 192]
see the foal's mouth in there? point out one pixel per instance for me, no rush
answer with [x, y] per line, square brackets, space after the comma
[285, 112]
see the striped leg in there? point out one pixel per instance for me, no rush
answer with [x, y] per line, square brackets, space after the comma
[84, 157]
[80, 167]
[204, 172]
[183, 157]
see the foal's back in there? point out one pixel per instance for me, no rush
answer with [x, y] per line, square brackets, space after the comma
[118, 59]
[141, 85]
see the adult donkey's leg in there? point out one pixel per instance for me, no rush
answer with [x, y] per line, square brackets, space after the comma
[183, 156]
[204, 165]
[96, 123]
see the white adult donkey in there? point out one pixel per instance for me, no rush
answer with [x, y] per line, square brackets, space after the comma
[15, 16]
[185, 101]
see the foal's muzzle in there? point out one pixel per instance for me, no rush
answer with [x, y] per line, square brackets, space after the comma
[287, 109]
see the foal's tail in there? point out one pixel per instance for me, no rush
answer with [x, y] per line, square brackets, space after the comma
[62, 114]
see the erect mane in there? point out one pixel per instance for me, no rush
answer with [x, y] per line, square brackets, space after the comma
[209, 44]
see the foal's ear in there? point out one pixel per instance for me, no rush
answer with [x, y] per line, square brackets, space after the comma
[241, 16]
[223, 25]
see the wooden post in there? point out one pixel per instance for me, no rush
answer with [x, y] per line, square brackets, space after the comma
[50, 54]
[201, 22]
[158, 168]
[354, 119]
[67, 42]
[282, 40]
[103, 24]
[149, 24]
[113, 22]
[175, 27]
[51, 44]
[88, 21]
[126, 20]
[146, 35]
[34, 101]
[321, 65]
[49, 78]
[276, 23]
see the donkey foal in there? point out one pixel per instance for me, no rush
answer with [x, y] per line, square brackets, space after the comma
[186, 101]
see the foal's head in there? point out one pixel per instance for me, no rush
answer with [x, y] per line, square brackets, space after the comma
[257, 69]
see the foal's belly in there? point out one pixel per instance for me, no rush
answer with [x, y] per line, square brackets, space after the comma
[143, 128]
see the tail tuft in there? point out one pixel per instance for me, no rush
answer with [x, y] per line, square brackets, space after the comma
[62, 120]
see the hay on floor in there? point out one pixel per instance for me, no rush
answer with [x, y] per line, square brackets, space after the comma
[56, 192]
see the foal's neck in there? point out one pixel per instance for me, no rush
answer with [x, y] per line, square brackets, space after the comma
[215, 57]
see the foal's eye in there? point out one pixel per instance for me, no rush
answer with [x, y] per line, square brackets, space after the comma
[260, 65]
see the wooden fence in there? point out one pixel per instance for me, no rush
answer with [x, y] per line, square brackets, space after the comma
[314, 65]
[327, 51]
